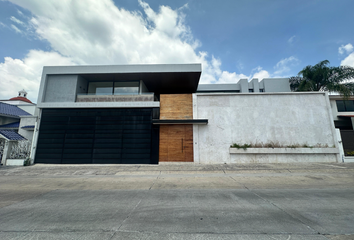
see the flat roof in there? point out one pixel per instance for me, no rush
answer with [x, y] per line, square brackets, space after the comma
[228, 87]
[158, 78]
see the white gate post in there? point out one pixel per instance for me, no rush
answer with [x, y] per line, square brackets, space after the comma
[340, 144]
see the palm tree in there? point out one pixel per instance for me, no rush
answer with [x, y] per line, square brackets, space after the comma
[322, 77]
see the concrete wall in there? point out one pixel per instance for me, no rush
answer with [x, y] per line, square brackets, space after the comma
[276, 85]
[243, 85]
[143, 88]
[31, 109]
[287, 119]
[254, 85]
[61, 88]
[27, 121]
[82, 85]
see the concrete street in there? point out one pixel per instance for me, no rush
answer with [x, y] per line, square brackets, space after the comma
[178, 201]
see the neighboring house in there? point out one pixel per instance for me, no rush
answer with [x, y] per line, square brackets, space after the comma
[343, 115]
[243, 86]
[16, 121]
[160, 113]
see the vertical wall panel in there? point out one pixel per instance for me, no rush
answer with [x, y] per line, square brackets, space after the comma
[176, 143]
[176, 106]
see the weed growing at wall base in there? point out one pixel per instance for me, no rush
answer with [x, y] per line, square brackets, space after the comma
[238, 146]
[277, 145]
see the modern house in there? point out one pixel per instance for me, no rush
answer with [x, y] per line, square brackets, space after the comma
[17, 122]
[160, 113]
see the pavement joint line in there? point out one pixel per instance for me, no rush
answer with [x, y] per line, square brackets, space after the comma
[131, 212]
[333, 166]
[113, 235]
[155, 232]
[155, 181]
[296, 218]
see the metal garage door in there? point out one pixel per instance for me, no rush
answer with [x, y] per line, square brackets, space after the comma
[82, 136]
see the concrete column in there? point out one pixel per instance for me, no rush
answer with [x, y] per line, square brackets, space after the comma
[352, 119]
[35, 136]
[340, 145]
[195, 130]
[7, 151]
[243, 85]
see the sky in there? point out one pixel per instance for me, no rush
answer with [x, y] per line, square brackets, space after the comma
[232, 39]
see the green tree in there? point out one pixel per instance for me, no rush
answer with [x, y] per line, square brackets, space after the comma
[322, 77]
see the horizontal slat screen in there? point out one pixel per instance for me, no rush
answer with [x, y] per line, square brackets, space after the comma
[81, 136]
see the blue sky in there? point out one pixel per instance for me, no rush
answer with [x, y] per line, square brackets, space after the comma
[232, 39]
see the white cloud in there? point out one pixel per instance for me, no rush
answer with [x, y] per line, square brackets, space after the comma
[291, 40]
[20, 13]
[19, 74]
[98, 32]
[16, 28]
[348, 61]
[15, 20]
[284, 65]
[261, 74]
[345, 49]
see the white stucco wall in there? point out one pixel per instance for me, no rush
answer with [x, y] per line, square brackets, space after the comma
[27, 121]
[284, 118]
[31, 109]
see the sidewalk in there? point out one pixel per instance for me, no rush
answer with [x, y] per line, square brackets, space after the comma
[176, 168]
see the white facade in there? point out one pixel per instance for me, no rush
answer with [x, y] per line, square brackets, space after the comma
[279, 118]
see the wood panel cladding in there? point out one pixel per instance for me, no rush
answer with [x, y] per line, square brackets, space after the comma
[176, 143]
[176, 106]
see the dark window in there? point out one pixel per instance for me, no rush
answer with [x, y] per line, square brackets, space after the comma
[126, 88]
[115, 88]
[261, 90]
[250, 90]
[345, 106]
[100, 88]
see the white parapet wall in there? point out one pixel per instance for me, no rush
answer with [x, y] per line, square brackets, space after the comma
[283, 119]
[15, 162]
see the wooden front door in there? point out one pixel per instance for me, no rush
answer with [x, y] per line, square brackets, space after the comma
[176, 143]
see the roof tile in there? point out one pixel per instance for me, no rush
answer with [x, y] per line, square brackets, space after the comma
[11, 135]
[10, 125]
[11, 110]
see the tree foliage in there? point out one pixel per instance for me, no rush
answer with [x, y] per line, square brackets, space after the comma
[322, 77]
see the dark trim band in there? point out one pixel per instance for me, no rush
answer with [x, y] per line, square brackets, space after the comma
[180, 121]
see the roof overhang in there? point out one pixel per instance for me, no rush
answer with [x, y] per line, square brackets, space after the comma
[158, 78]
[340, 97]
[9, 116]
[11, 136]
[180, 121]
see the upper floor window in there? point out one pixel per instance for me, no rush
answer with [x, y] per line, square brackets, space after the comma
[126, 88]
[250, 90]
[113, 88]
[261, 90]
[345, 106]
[100, 88]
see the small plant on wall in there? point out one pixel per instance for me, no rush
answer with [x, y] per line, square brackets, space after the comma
[349, 153]
[239, 146]
[278, 145]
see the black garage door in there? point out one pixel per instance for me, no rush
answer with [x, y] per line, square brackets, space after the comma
[81, 136]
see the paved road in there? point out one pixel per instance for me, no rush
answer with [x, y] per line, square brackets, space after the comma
[178, 201]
